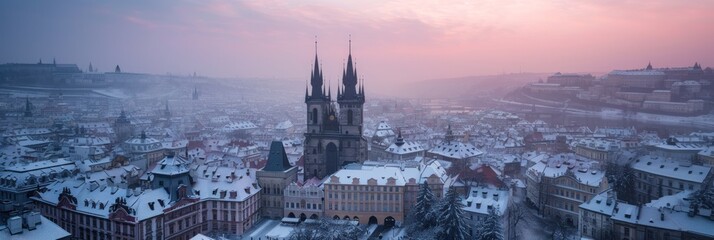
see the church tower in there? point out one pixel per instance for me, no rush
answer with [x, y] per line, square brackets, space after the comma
[350, 97]
[334, 136]
[123, 128]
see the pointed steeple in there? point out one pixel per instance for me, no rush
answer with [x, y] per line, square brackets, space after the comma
[316, 79]
[649, 66]
[91, 68]
[349, 76]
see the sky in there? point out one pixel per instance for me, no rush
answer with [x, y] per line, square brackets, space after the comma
[392, 41]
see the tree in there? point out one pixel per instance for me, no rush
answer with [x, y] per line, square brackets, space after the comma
[516, 214]
[622, 179]
[423, 211]
[325, 229]
[451, 217]
[702, 198]
[491, 228]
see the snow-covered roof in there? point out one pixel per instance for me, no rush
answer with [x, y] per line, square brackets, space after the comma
[171, 165]
[481, 199]
[455, 149]
[406, 148]
[96, 200]
[381, 174]
[242, 125]
[600, 204]
[225, 183]
[45, 230]
[671, 169]
[284, 125]
[668, 219]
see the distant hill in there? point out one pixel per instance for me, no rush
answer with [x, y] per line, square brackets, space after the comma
[467, 87]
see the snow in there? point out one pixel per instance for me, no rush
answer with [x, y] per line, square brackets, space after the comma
[45, 230]
[380, 174]
[455, 150]
[171, 165]
[671, 169]
[599, 204]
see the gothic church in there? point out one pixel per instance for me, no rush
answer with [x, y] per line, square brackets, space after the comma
[334, 131]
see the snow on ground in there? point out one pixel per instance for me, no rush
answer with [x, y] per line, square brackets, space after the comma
[279, 232]
[261, 229]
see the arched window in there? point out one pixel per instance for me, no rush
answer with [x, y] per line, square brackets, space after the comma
[349, 117]
[314, 116]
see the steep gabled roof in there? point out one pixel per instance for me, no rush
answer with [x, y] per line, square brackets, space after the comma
[277, 158]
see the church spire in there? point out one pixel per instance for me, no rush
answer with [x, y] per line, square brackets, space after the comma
[649, 66]
[349, 76]
[316, 80]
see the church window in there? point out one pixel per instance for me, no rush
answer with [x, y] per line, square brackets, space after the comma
[314, 116]
[349, 117]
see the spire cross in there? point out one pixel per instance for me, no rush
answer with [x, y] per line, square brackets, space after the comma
[315, 44]
[350, 44]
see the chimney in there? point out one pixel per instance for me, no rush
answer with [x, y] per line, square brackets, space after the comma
[495, 196]
[33, 219]
[484, 194]
[15, 225]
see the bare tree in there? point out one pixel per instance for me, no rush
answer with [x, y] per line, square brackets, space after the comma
[515, 215]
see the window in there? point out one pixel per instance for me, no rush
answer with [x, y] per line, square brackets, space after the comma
[314, 116]
[627, 231]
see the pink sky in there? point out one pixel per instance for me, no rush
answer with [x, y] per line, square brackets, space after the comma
[392, 40]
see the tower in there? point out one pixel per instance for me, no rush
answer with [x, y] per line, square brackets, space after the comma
[351, 98]
[167, 112]
[273, 178]
[334, 136]
[28, 108]
[194, 95]
[123, 127]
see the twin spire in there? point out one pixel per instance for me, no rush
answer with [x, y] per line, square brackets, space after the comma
[348, 90]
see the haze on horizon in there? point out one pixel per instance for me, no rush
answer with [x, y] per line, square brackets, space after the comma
[392, 41]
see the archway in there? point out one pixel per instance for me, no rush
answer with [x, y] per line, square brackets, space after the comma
[355, 219]
[389, 221]
[372, 220]
[333, 158]
[346, 218]
[302, 217]
[313, 216]
[291, 215]
[336, 217]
